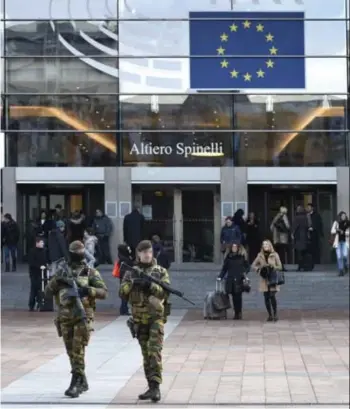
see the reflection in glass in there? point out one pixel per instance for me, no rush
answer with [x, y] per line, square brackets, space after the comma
[53, 74]
[177, 112]
[89, 38]
[290, 148]
[78, 112]
[47, 148]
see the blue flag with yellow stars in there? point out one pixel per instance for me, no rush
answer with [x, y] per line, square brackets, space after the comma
[247, 50]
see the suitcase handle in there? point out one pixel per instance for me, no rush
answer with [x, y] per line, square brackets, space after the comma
[218, 285]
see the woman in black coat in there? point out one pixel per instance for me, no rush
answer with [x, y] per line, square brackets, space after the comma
[236, 266]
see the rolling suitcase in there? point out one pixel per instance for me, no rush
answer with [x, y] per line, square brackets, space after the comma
[209, 311]
[46, 303]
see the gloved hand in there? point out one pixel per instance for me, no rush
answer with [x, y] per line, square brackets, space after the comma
[83, 292]
[142, 283]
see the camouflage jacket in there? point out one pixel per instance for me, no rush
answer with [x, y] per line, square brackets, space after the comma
[84, 277]
[149, 304]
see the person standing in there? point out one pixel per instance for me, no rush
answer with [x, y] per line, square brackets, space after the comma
[133, 228]
[37, 259]
[280, 228]
[316, 233]
[236, 267]
[230, 233]
[253, 236]
[75, 331]
[102, 227]
[268, 259]
[57, 244]
[10, 238]
[300, 235]
[239, 221]
[341, 232]
[76, 227]
[149, 312]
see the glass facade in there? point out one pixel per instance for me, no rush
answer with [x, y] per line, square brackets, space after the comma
[106, 83]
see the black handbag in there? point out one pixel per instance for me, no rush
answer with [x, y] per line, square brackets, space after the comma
[246, 286]
[280, 278]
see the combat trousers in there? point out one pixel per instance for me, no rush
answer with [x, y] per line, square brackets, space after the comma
[151, 338]
[74, 338]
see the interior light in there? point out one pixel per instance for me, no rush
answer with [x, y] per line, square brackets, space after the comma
[158, 193]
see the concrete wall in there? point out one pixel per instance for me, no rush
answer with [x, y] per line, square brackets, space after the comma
[343, 188]
[117, 189]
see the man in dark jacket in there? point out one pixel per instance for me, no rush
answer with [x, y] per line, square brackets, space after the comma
[230, 233]
[102, 226]
[9, 237]
[133, 228]
[37, 258]
[57, 244]
[300, 235]
[159, 252]
[316, 233]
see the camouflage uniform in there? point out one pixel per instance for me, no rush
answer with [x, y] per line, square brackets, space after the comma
[75, 331]
[149, 317]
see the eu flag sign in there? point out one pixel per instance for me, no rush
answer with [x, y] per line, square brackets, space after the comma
[247, 50]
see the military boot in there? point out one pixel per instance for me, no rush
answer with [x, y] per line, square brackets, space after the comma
[146, 395]
[73, 390]
[83, 384]
[154, 392]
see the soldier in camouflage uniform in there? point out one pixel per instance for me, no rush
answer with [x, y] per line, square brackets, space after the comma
[74, 329]
[149, 311]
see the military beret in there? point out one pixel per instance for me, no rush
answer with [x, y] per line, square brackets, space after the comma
[76, 247]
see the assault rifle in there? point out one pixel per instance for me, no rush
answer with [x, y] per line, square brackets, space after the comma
[64, 275]
[125, 267]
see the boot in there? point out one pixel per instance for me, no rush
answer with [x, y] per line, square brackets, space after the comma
[73, 390]
[269, 318]
[341, 273]
[84, 386]
[14, 265]
[154, 391]
[7, 267]
[146, 395]
[275, 317]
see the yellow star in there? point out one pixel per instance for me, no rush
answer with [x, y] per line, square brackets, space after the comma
[260, 27]
[233, 27]
[247, 77]
[234, 74]
[224, 64]
[273, 51]
[220, 50]
[260, 73]
[269, 37]
[224, 37]
[270, 64]
[247, 24]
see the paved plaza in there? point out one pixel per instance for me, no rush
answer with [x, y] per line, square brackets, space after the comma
[302, 359]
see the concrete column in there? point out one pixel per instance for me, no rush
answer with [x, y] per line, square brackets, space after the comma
[9, 192]
[178, 226]
[118, 189]
[217, 228]
[343, 187]
[234, 186]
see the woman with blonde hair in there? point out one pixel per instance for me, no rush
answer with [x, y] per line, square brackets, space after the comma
[266, 263]
[280, 228]
[236, 267]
